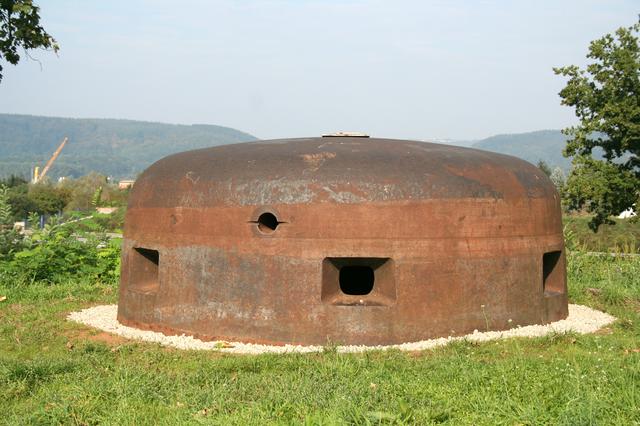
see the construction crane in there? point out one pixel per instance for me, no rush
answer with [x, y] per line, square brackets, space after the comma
[37, 177]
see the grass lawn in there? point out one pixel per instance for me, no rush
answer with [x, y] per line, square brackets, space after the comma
[54, 371]
[624, 236]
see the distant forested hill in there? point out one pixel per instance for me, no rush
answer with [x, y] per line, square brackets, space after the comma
[546, 145]
[118, 148]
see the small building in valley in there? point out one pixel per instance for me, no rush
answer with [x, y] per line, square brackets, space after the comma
[126, 184]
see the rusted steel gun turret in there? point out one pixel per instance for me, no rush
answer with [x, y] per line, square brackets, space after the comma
[351, 240]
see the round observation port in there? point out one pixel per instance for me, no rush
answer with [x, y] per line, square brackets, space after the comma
[267, 222]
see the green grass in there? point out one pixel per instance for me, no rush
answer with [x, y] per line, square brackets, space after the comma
[56, 372]
[624, 236]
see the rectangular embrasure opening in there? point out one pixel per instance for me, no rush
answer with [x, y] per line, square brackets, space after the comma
[552, 274]
[144, 267]
[356, 280]
[353, 281]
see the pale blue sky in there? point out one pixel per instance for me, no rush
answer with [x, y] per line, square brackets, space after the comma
[284, 68]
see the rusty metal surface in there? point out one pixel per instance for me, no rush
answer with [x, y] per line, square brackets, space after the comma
[252, 242]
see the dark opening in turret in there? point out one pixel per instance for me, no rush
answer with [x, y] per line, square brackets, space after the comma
[267, 222]
[356, 280]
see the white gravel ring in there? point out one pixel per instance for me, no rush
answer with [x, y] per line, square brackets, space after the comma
[581, 320]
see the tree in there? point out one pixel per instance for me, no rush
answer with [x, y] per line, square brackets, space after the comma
[606, 99]
[49, 199]
[601, 187]
[542, 165]
[83, 191]
[20, 202]
[13, 181]
[20, 28]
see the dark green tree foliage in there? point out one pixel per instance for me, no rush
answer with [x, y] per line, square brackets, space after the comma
[49, 199]
[542, 165]
[117, 148]
[21, 203]
[13, 181]
[602, 187]
[20, 28]
[17, 197]
[606, 99]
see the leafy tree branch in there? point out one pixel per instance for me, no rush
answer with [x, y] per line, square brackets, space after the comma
[20, 28]
[606, 98]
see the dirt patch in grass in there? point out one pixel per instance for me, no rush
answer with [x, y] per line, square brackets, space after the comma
[604, 331]
[76, 336]
[12, 309]
[634, 305]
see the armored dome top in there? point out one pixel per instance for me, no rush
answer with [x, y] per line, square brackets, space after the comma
[334, 170]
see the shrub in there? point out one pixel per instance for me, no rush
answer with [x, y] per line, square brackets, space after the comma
[56, 255]
[10, 240]
[10, 243]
